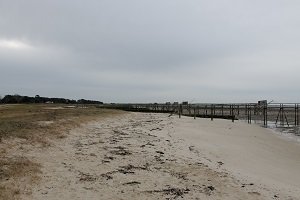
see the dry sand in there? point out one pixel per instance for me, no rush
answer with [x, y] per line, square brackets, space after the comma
[153, 156]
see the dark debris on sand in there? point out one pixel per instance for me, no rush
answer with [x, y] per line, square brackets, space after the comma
[173, 192]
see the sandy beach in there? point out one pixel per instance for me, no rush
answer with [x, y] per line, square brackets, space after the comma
[157, 156]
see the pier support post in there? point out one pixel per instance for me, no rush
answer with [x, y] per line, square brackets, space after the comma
[211, 113]
[214, 107]
[249, 113]
[281, 115]
[222, 110]
[296, 114]
[265, 113]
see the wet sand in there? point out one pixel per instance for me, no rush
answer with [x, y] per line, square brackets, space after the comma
[154, 156]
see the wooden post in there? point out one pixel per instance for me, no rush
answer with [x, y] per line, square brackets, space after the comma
[214, 109]
[297, 114]
[247, 113]
[179, 110]
[211, 112]
[233, 116]
[285, 117]
[281, 115]
[265, 113]
[250, 115]
[194, 112]
[222, 110]
[278, 116]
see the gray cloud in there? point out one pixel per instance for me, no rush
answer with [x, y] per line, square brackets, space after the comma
[143, 51]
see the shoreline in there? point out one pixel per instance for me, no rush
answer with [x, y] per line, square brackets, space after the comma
[250, 151]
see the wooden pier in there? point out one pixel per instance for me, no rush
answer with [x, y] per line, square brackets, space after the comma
[281, 114]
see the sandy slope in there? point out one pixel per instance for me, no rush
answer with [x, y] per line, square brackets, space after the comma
[248, 152]
[153, 156]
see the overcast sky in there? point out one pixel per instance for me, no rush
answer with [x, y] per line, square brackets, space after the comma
[151, 50]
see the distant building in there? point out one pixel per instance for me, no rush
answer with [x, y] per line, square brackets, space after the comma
[262, 102]
[185, 103]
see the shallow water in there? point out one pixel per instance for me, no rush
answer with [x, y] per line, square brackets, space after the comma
[289, 132]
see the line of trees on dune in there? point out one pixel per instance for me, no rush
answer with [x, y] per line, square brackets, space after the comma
[7, 99]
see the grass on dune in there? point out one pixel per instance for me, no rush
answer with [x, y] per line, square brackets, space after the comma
[36, 124]
[30, 121]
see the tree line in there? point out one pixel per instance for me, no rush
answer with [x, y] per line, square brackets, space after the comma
[7, 99]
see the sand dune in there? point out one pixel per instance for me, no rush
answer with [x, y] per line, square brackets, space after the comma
[153, 156]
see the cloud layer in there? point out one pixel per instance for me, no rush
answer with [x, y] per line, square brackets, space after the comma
[146, 51]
